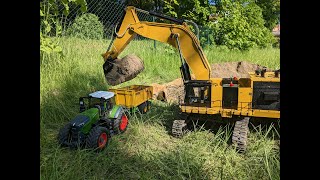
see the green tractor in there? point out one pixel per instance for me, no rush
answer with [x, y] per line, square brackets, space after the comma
[96, 123]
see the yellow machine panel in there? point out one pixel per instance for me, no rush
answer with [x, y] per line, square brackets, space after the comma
[242, 104]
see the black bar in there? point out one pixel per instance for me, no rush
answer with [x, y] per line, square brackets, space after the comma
[179, 21]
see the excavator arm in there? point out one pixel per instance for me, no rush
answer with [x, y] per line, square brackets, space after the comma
[177, 35]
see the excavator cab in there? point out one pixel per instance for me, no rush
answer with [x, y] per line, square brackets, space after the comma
[197, 93]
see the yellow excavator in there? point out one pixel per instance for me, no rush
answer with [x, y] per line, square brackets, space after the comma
[229, 98]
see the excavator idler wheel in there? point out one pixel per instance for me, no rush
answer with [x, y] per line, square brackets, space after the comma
[240, 134]
[179, 128]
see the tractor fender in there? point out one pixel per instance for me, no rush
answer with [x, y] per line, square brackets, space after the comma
[115, 112]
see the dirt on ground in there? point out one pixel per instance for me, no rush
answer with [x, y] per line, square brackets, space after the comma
[170, 92]
[122, 70]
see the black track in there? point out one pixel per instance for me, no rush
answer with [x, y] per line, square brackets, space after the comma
[179, 128]
[240, 134]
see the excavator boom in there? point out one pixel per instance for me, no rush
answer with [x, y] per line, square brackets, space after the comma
[176, 35]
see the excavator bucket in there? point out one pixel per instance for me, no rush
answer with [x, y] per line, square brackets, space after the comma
[119, 71]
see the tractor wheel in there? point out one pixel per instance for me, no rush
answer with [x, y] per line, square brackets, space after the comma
[121, 123]
[240, 134]
[67, 139]
[143, 108]
[64, 137]
[98, 138]
[179, 128]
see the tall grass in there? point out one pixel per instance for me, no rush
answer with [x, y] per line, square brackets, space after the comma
[146, 150]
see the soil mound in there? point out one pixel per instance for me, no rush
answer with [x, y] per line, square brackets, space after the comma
[170, 92]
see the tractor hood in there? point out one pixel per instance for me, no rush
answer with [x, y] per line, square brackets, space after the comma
[83, 121]
[80, 120]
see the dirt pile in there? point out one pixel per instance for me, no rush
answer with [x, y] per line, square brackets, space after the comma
[171, 91]
[229, 69]
[122, 70]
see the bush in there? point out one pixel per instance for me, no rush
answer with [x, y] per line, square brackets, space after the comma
[86, 26]
[240, 26]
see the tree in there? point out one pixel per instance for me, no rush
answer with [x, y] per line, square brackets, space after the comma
[196, 10]
[270, 12]
[240, 25]
[148, 5]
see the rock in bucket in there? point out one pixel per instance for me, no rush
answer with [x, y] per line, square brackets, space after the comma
[118, 71]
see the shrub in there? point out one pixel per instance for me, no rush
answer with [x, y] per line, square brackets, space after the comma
[86, 26]
[239, 26]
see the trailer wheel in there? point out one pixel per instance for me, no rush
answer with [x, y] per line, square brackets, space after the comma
[143, 108]
[149, 105]
[98, 138]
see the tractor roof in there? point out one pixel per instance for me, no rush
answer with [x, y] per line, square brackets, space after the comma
[102, 94]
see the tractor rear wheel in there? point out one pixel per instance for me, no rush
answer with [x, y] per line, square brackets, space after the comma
[98, 138]
[240, 134]
[121, 123]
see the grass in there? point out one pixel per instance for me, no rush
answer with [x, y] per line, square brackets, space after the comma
[146, 150]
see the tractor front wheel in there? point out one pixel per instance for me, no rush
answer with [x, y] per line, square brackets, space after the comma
[64, 135]
[98, 138]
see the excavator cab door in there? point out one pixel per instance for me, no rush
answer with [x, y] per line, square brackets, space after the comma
[197, 93]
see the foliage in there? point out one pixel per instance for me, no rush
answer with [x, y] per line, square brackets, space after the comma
[86, 26]
[48, 45]
[170, 7]
[148, 5]
[239, 25]
[195, 10]
[270, 12]
[49, 22]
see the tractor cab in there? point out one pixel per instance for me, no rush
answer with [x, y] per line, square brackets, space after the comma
[102, 100]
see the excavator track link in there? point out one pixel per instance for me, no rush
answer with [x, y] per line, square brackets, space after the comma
[179, 128]
[240, 134]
